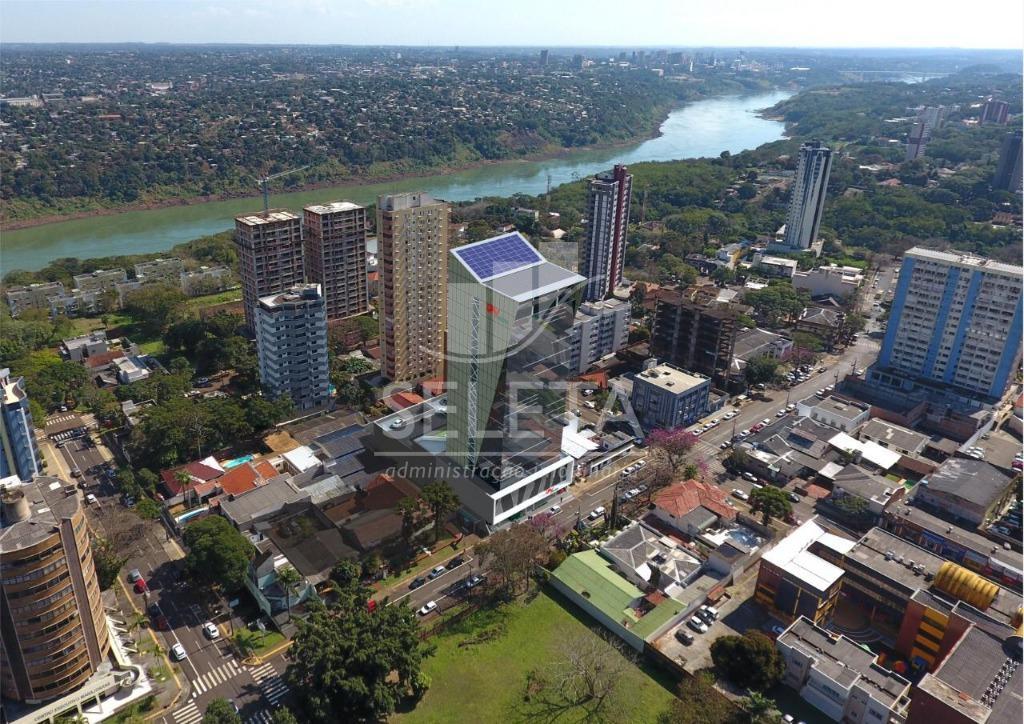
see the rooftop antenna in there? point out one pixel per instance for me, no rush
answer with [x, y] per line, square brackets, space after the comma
[264, 184]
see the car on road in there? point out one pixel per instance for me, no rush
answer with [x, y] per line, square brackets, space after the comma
[781, 413]
[791, 406]
[766, 421]
[794, 497]
[140, 586]
[474, 580]
[684, 637]
[726, 444]
[697, 625]
[746, 475]
[640, 463]
[211, 631]
[134, 575]
[417, 582]
[456, 562]
[729, 415]
[737, 493]
[743, 433]
[435, 572]
[428, 607]
[76, 473]
[596, 513]
[757, 428]
[178, 652]
[555, 509]
[90, 499]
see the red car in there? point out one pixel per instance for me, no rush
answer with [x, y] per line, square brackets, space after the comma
[140, 586]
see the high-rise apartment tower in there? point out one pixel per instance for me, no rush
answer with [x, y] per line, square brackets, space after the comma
[807, 203]
[54, 630]
[269, 256]
[335, 254]
[20, 454]
[291, 342]
[412, 243]
[604, 247]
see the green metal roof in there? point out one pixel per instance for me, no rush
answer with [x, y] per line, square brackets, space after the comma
[594, 578]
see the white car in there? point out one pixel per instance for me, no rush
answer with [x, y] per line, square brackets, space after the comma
[90, 499]
[729, 415]
[737, 493]
[428, 607]
[791, 406]
[640, 463]
[780, 413]
[766, 421]
[211, 631]
[178, 652]
[697, 625]
[596, 512]
[555, 509]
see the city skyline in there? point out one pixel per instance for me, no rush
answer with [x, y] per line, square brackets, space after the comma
[439, 23]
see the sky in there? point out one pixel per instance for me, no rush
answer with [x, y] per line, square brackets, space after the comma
[555, 23]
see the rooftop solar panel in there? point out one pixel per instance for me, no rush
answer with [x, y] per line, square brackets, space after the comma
[499, 255]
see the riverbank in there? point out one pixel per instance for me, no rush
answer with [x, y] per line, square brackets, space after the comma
[700, 129]
[553, 153]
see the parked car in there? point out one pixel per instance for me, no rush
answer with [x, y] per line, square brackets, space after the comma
[640, 463]
[794, 497]
[474, 581]
[178, 652]
[140, 586]
[76, 473]
[710, 611]
[417, 582]
[555, 509]
[697, 625]
[435, 572]
[134, 575]
[428, 607]
[684, 637]
[211, 631]
[747, 475]
[781, 413]
[596, 513]
[90, 499]
[737, 493]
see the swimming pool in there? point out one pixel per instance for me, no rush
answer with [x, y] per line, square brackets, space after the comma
[228, 464]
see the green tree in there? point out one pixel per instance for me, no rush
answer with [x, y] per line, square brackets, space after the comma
[217, 553]
[156, 307]
[246, 642]
[761, 709]
[442, 501]
[283, 716]
[771, 502]
[148, 508]
[220, 711]
[761, 370]
[750, 661]
[409, 508]
[352, 664]
[699, 702]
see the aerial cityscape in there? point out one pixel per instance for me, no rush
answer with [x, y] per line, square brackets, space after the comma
[426, 361]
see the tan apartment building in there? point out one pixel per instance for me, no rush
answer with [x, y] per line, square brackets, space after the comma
[53, 631]
[269, 256]
[335, 256]
[412, 234]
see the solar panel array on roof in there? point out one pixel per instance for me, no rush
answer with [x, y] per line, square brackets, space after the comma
[499, 255]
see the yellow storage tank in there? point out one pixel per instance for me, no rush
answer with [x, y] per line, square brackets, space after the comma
[966, 585]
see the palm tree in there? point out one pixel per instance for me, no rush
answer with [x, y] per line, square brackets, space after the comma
[245, 641]
[289, 579]
[185, 481]
[761, 709]
[137, 620]
[409, 509]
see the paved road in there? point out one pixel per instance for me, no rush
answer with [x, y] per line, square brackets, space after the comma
[210, 670]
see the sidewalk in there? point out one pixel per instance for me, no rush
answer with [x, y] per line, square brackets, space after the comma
[55, 464]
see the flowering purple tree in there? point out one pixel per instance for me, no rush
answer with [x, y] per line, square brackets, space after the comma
[673, 444]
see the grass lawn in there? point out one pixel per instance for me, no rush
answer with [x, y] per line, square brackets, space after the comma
[485, 682]
[196, 303]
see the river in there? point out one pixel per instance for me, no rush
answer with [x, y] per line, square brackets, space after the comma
[703, 128]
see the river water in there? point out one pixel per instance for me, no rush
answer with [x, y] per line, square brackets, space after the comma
[700, 129]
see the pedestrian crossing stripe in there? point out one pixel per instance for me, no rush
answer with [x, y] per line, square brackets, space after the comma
[263, 672]
[188, 714]
[274, 690]
[215, 678]
[261, 717]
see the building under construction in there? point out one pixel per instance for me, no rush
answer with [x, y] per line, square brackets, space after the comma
[695, 333]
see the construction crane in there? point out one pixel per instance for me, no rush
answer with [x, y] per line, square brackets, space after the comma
[264, 184]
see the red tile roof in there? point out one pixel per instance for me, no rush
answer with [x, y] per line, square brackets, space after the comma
[199, 473]
[238, 479]
[266, 470]
[681, 498]
[432, 387]
[402, 400]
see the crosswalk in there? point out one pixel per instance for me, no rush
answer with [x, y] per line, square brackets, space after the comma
[57, 420]
[261, 717]
[215, 678]
[188, 714]
[271, 685]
